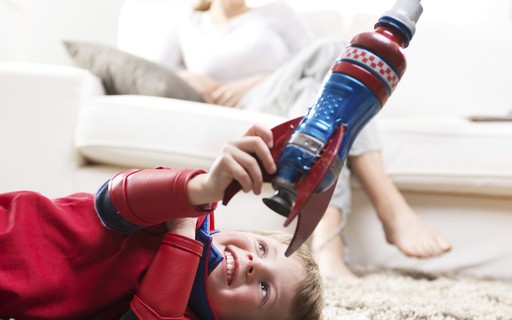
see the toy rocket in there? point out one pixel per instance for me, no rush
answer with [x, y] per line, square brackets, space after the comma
[311, 150]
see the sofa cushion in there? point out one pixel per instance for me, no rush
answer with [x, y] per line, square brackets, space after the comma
[448, 155]
[143, 131]
[124, 73]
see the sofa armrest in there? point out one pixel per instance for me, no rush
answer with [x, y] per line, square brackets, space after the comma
[38, 104]
[24, 83]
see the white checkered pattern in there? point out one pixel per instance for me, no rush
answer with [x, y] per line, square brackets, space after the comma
[372, 61]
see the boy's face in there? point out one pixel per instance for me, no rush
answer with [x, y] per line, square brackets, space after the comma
[255, 280]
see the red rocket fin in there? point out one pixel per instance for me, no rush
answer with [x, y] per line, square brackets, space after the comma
[309, 217]
[311, 206]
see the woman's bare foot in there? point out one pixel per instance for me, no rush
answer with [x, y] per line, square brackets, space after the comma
[402, 226]
[331, 264]
[329, 255]
[405, 230]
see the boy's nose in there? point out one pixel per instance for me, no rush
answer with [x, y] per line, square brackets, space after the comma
[253, 265]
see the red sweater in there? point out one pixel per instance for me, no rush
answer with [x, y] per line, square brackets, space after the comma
[57, 261]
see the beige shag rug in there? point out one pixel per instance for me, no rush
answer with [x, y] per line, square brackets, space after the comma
[405, 294]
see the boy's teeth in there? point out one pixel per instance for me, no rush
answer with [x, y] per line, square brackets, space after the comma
[230, 265]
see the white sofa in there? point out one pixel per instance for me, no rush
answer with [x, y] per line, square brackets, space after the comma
[62, 134]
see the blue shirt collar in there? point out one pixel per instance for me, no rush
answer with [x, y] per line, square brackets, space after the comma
[210, 259]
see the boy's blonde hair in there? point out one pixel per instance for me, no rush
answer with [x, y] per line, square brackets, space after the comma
[308, 303]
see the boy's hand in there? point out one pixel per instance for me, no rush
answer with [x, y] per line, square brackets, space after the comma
[237, 161]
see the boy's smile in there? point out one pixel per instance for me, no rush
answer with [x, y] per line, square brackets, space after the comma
[255, 280]
[230, 263]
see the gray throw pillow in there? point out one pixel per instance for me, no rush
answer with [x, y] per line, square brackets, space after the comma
[124, 73]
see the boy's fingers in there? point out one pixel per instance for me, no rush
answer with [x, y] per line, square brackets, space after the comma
[256, 146]
[246, 169]
[263, 153]
[240, 159]
[239, 174]
[262, 132]
[266, 159]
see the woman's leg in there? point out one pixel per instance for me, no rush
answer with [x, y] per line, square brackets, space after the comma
[402, 226]
[328, 247]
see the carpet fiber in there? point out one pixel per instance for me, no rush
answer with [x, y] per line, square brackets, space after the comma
[406, 294]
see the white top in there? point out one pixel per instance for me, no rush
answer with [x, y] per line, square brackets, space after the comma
[256, 42]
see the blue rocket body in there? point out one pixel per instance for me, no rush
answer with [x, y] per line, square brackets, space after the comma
[343, 101]
[310, 152]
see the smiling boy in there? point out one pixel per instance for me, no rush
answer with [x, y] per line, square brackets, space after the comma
[153, 251]
[260, 283]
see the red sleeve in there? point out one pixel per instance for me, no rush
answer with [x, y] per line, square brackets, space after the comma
[152, 196]
[166, 287]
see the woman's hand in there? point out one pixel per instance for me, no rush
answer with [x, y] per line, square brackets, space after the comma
[237, 161]
[230, 94]
[203, 84]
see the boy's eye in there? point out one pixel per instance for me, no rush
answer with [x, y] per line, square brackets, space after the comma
[264, 291]
[262, 249]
